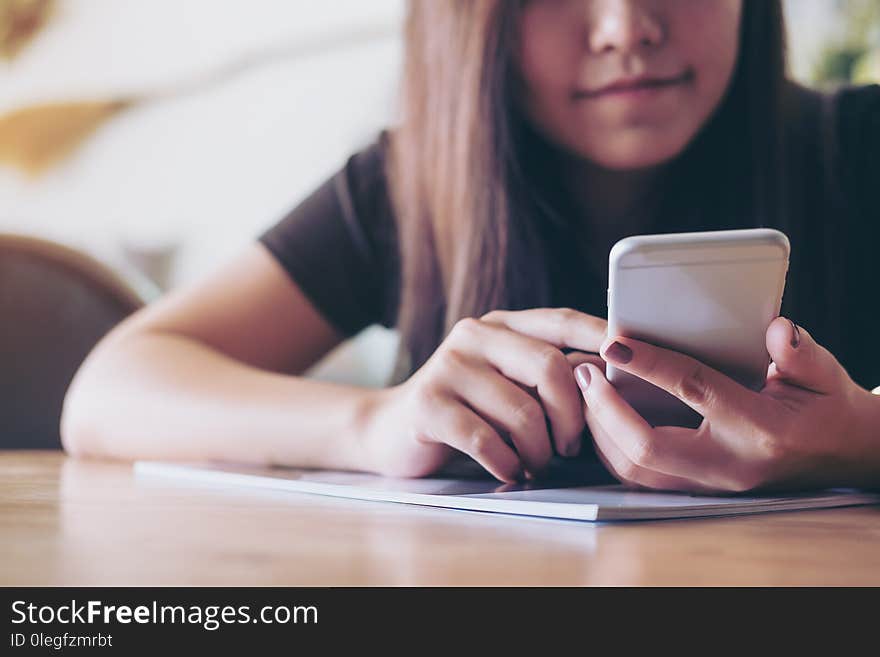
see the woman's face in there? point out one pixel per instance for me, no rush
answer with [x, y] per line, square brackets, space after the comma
[626, 83]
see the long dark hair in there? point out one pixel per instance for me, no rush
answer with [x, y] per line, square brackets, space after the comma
[468, 196]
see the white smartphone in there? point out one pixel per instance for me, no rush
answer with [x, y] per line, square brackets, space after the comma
[710, 295]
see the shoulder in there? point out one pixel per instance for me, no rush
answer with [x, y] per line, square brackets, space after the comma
[339, 244]
[855, 110]
[859, 106]
[858, 126]
[834, 217]
[362, 191]
[838, 130]
[352, 204]
[364, 172]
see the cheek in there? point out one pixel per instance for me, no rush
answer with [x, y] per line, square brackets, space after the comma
[709, 39]
[549, 53]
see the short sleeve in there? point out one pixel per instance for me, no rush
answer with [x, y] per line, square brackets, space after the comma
[339, 244]
[858, 115]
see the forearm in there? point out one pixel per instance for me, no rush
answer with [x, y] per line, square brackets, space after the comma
[161, 396]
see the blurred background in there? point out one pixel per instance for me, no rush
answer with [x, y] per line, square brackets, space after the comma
[162, 136]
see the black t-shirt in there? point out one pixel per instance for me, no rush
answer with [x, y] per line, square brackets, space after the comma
[340, 244]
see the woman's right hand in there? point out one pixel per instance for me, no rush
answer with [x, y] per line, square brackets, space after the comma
[501, 375]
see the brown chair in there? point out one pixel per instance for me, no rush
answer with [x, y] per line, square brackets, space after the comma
[55, 304]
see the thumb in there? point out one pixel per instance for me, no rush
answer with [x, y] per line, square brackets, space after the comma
[798, 359]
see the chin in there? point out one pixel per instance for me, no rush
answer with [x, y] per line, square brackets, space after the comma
[638, 148]
[634, 155]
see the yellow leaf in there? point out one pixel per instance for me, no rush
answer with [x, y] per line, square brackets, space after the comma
[34, 138]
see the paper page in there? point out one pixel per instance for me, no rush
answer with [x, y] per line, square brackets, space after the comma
[543, 499]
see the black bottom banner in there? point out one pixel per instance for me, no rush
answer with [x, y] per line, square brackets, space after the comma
[133, 620]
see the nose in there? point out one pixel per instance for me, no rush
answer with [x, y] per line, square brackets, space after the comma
[622, 26]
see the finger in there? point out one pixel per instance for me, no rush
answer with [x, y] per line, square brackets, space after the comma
[689, 455]
[612, 458]
[504, 405]
[799, 360]
[706, 390]
[629, 473]
[561, 327]
[580, 357]
[531, 362]
[609, 414]
[461, 428]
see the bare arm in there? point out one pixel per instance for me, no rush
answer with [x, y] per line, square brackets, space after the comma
[210, 373]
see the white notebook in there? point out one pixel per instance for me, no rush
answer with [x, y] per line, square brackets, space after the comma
[548, 499]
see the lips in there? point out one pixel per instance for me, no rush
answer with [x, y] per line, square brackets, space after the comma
[638, 83]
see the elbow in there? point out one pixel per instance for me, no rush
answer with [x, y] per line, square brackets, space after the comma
[82, 420]
[77, 433]
[92, 413]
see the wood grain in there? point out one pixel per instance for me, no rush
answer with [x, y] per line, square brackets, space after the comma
[71, 522]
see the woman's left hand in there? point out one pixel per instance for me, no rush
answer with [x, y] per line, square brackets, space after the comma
[810, 426]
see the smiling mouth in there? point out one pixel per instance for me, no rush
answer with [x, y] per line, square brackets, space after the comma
[634, 86]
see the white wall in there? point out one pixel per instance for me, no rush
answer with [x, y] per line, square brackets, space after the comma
[213, 168]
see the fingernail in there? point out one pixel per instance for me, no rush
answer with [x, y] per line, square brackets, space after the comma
[795, 335]
[582, 375]
[618, 353]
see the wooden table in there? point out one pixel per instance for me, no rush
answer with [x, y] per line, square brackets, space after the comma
[70, 522]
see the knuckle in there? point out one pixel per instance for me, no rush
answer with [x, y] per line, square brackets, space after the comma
[568, 324]
[450, 362]
[481, 443]
[693, 386]
[527, 414]
[552, 363]
[465, 328]
[492, 316]
[566, 317]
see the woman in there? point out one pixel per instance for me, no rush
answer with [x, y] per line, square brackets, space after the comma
[533, 135]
